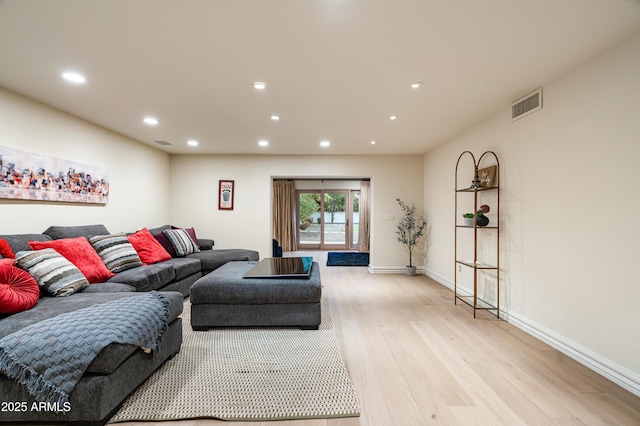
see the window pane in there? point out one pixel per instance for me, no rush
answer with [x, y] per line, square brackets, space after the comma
[334, 218]
[309, 217]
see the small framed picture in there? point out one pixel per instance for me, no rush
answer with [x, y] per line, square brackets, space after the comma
[487, 177]
[225, 195]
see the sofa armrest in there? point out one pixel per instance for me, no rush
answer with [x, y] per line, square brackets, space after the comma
[206, 244]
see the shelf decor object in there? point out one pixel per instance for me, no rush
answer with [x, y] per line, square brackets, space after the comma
[487, 176]
[485, 183]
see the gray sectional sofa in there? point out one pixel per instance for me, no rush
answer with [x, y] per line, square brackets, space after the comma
[119, 368]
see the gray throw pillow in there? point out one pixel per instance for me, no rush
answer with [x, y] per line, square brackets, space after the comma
[181, 242]
[116, 252]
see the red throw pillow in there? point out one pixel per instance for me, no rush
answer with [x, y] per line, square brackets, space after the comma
[148, 248]
[19, 291]
[5, 250]
[79, 252]
[10, 262]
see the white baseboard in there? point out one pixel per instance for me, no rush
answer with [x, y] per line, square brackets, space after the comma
[393, 270]
[601, 365]
[439, 279]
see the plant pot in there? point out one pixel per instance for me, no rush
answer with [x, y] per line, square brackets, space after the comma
[411, 270]
[482, 220]
[467, 221]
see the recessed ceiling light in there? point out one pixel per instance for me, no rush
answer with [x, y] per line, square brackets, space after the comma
[259, 85]
[416, 85]
[325, 144]
[373, 142]
[151, 121]
[275, 117]
[192, 143]
[74, 77]
[393, 117]
[263, 143]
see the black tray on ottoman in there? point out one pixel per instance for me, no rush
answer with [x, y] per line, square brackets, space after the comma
[224, 298]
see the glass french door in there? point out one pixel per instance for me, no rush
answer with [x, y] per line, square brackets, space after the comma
[326, 219]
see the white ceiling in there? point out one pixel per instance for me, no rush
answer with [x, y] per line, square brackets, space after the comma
[335, 69]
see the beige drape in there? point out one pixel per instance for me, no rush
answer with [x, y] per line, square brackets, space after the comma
[363, 233]
[283, 213]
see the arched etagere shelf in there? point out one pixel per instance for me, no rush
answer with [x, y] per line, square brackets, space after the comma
[477, 272]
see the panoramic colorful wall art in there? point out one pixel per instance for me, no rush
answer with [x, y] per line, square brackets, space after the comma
[28, 176]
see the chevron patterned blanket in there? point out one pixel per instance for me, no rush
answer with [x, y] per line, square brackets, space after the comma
[51, 356]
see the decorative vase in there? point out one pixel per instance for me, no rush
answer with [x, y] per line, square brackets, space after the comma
[411, 270]
[482, 220]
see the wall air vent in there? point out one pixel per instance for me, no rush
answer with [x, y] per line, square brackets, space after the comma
[164, 143]
[528, 104]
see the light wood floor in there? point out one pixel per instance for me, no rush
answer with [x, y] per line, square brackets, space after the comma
[415, 358]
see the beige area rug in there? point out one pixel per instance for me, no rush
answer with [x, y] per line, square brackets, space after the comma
[248, 374]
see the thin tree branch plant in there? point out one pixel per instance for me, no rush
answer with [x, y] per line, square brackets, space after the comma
[411, 229]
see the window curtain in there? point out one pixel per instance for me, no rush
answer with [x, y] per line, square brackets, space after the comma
[283, 213]
[363, 233]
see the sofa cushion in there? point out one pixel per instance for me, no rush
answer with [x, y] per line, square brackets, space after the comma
[147, 277]
[79, 252]
[182, 243]
[19, 291]
[213, 259]
[52, 271]
[59, 232]
[116, 252]
[5, 250]
[20, 242]
[148, 248]
[184, 266]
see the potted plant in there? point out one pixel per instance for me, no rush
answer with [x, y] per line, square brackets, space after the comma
[410, 231]
[468, 219]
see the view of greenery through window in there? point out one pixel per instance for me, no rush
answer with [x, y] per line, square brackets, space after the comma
[323, 217]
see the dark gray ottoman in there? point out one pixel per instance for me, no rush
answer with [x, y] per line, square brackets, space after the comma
[224, 299]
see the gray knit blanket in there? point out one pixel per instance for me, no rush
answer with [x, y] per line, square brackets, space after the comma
[51, 356]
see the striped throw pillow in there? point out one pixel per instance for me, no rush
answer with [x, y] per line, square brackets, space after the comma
[116, 252]
[53, 272]
[181, 242]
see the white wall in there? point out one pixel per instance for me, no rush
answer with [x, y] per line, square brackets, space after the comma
[138, 174]
[195, 200]
[570, 192]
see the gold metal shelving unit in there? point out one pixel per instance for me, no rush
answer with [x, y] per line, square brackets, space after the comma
[478, 267]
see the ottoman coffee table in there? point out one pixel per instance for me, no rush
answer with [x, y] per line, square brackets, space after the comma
[225, 298]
